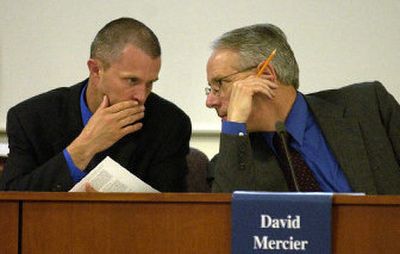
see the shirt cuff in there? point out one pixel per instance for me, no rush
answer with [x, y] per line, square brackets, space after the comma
[234, 128]
[76, 173]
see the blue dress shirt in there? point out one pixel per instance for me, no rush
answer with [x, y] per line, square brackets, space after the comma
[309, 141]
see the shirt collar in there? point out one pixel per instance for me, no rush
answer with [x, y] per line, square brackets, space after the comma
[85, 112]
[296, 121]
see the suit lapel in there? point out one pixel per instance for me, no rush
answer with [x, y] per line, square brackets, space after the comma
[68, 122]
[267, 169]
[74, 124]
[344, 137]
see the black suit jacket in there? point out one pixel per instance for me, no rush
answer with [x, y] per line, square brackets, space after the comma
[361, 124]
[41, 127]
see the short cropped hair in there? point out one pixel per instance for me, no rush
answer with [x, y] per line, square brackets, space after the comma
[254, 44]
[114, 36]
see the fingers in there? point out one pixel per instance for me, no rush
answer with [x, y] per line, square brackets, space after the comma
[104, 103]
[122, 113]
[130, 119]
[242, 94]
[132, 111]
[263, 89]
[111, 123]
[128, 116]
[89, 188]
[131, 128]
[120, 106]
[252, 86]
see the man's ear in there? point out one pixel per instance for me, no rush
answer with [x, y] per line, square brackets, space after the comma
[95, 68]
[269, 71]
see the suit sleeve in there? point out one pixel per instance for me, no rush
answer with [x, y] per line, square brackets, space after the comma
[390, 115]
[233, 168]
[26, 168]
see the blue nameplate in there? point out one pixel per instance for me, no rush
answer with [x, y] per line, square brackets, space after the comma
[273, 222]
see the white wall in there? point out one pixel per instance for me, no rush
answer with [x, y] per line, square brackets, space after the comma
[44, 44]
[206, 142]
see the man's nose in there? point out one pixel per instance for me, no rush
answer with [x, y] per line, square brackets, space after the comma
[212, 100]
[140, 93]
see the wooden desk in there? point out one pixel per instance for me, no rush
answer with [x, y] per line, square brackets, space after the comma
[9, 212]
[179, 223]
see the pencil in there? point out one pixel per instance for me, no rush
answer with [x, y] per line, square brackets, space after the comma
[269, 59]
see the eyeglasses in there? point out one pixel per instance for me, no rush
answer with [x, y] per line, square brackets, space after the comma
[216, 85]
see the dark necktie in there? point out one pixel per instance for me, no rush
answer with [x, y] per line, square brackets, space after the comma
[304, 176]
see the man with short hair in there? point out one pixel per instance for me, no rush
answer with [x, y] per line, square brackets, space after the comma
[342, 140]
[57, 137]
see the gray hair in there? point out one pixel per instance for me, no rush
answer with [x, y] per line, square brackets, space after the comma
[255, 43]
[114, 36]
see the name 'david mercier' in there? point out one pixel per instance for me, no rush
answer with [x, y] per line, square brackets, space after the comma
[265, 243]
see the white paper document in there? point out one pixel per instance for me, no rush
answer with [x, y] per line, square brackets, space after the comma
[4, 150]
[109, 176]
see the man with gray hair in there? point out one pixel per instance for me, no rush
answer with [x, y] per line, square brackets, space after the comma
[57, 137]
[274, 138]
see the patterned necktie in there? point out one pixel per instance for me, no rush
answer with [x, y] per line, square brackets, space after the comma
[304, 176]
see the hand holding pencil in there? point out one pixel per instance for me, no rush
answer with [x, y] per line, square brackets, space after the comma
[243, 91]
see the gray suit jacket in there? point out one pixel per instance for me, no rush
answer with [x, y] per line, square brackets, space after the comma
[361, 124]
